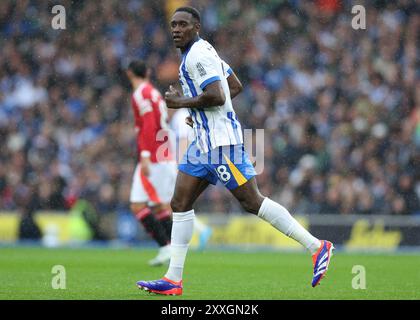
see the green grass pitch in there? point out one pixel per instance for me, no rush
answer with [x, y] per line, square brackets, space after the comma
[104, 273]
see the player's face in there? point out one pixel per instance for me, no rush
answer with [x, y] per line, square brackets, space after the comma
[129, 75]
[183, 28]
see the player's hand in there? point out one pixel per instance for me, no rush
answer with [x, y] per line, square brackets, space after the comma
[171, 97]
[189, 121]
[145, 166]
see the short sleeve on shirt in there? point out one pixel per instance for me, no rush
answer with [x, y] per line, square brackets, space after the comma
[203, 68]
[226, 69]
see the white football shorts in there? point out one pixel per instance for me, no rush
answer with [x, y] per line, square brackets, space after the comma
[158, 187]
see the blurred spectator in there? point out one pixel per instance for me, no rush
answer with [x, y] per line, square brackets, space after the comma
[341, 108]
[28, 228]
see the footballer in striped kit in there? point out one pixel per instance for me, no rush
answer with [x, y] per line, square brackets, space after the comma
[217, 154]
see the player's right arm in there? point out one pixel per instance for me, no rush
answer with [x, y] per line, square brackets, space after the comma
[200, 67]
[235, 88]
[212, 96]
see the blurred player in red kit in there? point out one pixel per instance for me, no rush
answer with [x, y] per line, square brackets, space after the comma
[154, 177]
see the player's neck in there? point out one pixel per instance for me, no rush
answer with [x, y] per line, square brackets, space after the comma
[138, 82]
[188, 46]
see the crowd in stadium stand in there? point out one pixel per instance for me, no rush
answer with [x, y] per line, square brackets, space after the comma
[340, 107]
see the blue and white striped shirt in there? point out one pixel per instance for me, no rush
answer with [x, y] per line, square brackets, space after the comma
[215, 126]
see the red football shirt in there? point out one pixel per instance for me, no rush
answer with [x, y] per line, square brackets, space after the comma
[151, 122]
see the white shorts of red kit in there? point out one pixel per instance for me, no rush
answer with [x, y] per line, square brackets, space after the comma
[158, 187]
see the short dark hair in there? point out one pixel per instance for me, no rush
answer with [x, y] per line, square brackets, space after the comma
[193, 11]
[138, 67]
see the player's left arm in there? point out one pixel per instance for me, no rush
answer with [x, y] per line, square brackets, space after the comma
[147, 140]
[137, 119]
[235, 85]
[149, 129]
